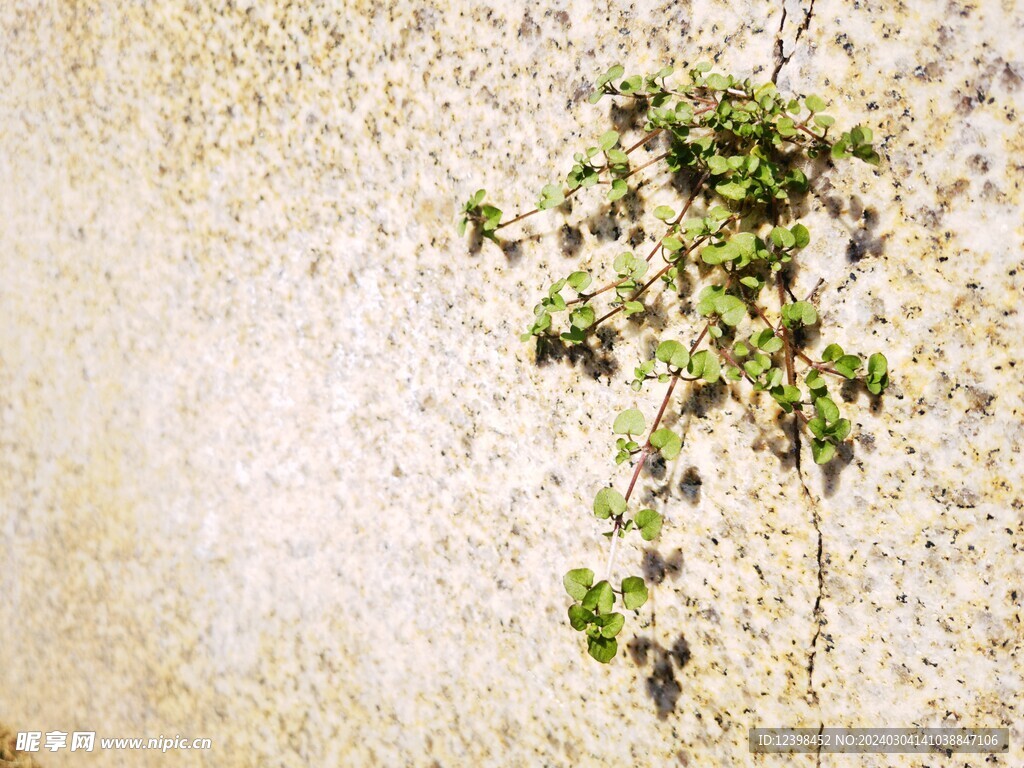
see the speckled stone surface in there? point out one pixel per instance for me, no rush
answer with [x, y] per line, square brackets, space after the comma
[275, 469]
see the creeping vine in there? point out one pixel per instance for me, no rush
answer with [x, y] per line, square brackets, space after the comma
[740, 146]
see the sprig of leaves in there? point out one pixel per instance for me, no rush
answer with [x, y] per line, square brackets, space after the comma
[740, 144]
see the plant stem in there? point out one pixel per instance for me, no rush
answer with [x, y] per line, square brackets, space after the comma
[786, 340]
[644, 453]
[645, 139]
[732, 361]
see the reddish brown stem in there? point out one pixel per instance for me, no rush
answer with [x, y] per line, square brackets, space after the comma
[786, 340]
[732, 361]
[645, 139]
[647, 445]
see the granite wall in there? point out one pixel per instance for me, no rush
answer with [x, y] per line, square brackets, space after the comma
[275, 469]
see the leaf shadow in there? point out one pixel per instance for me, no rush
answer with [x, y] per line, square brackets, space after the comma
[662, 683]
[594, 356]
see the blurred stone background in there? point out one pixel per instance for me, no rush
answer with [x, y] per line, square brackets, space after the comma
[275, 469]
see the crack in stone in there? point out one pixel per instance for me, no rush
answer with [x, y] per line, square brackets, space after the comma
[781, 59]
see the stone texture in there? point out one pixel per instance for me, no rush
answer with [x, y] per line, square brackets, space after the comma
[276, 470]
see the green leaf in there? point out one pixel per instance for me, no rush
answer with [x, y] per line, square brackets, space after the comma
[752, 282]
[672, 243]
[817, 427]
[766, 341]
[815, 103]
[815, 381]
[877, 365]
[649, 522]
[618, 190]
[582, 317]
[634, 592]
[631, 84]
[718, 82]
[795, 179]
[673, 353]
[799, 312]
[712, 369]
[610, 624]
[860, 135]
[716, 254]
[573, 335]
[577, 582]
[868, 155]
[608, 140]
[717, 165]
[878, 377]
[783, 238]
[580, 617]
[731, 309]
[801, 235]
[668, 442]
[822, 451]
[633, 308]
[841, 430]
[603, 649]
[608, 502]
[827, 409]
[785, 126]
[550, 196]
[732, 190]
[824, 121]
[704, 365]
[664, 213]
[600, 596]
[629, 422]
[628, 265]
[579, 281]
[847, 365]
[706, 298]
[832, 352]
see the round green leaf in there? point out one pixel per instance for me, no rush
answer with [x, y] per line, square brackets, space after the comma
[629, 422]
[608, 502]
[600, 596]
[579, 617]
[577, 582]
[827, 409]
[730, 308]
[603, 649]
[634, 592]
[673, 353]
[815, 103]
[822, 451]
[649, 522]
[611, 624]
[668, 442]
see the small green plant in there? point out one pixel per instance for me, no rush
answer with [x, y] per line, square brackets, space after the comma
[740, 146]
